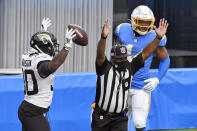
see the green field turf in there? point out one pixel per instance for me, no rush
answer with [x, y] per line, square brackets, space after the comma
[194, 129]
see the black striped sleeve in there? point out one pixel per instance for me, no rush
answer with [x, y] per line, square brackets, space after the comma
[100, 70]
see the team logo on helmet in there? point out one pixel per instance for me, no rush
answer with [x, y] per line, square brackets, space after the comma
[45, 38]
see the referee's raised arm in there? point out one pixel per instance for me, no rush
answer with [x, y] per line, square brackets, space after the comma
[100, 57]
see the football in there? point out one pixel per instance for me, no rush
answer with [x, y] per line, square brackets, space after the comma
[81, 36]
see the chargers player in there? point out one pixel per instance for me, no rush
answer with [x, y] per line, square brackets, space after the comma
[135, 37]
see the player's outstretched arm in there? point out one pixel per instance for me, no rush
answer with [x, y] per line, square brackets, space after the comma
[160, 31]
[100, 57]
[46, 68]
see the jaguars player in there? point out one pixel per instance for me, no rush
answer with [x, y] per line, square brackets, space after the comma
[38, 66]
[136, 36]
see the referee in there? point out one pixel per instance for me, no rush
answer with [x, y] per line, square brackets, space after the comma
[114, 79]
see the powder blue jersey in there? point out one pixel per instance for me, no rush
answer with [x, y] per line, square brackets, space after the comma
[135, 45]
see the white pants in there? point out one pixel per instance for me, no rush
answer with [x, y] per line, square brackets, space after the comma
[138, 103]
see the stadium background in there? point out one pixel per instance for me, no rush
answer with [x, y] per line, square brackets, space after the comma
[173, 105]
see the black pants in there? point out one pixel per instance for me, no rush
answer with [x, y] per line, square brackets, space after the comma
[102, 122]
[32, 117]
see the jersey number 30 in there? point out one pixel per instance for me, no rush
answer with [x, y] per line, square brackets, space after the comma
[26, 82]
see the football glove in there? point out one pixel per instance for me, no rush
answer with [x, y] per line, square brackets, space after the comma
[152, 84]
[70, 34]
[45, 24]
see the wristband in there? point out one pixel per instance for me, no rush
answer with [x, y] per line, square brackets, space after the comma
[66, 47]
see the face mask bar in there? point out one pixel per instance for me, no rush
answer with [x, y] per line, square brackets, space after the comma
[56, 48]
[143, 25]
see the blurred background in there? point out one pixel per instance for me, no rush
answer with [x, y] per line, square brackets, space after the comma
[182, 31]
[20, 19]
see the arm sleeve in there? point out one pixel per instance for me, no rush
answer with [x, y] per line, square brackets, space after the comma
[163, 67]
[100, 70]
[163, 41]
[136, 64]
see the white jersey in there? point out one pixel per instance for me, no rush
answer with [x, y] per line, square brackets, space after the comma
[38, 91]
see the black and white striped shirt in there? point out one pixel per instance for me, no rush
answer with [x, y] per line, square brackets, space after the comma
[112, 86]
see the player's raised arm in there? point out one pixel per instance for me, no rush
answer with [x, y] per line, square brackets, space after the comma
[46, 68]
[100, 57]
[160, 31]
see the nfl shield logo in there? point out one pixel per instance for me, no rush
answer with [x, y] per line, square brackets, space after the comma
[122, 50]
[126, 84]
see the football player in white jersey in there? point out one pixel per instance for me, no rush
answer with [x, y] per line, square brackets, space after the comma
[38, 66]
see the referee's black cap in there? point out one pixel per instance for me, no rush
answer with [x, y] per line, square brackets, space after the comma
[118, 51]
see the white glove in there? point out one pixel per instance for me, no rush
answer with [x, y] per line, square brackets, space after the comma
[45, 24]
[70, 34]
[152, 84]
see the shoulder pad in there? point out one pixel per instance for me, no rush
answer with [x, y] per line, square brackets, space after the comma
[122, 27]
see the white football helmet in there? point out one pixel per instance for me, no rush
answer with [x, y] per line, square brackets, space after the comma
[142, 19]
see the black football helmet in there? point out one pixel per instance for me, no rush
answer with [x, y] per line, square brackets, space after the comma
[45, 42]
